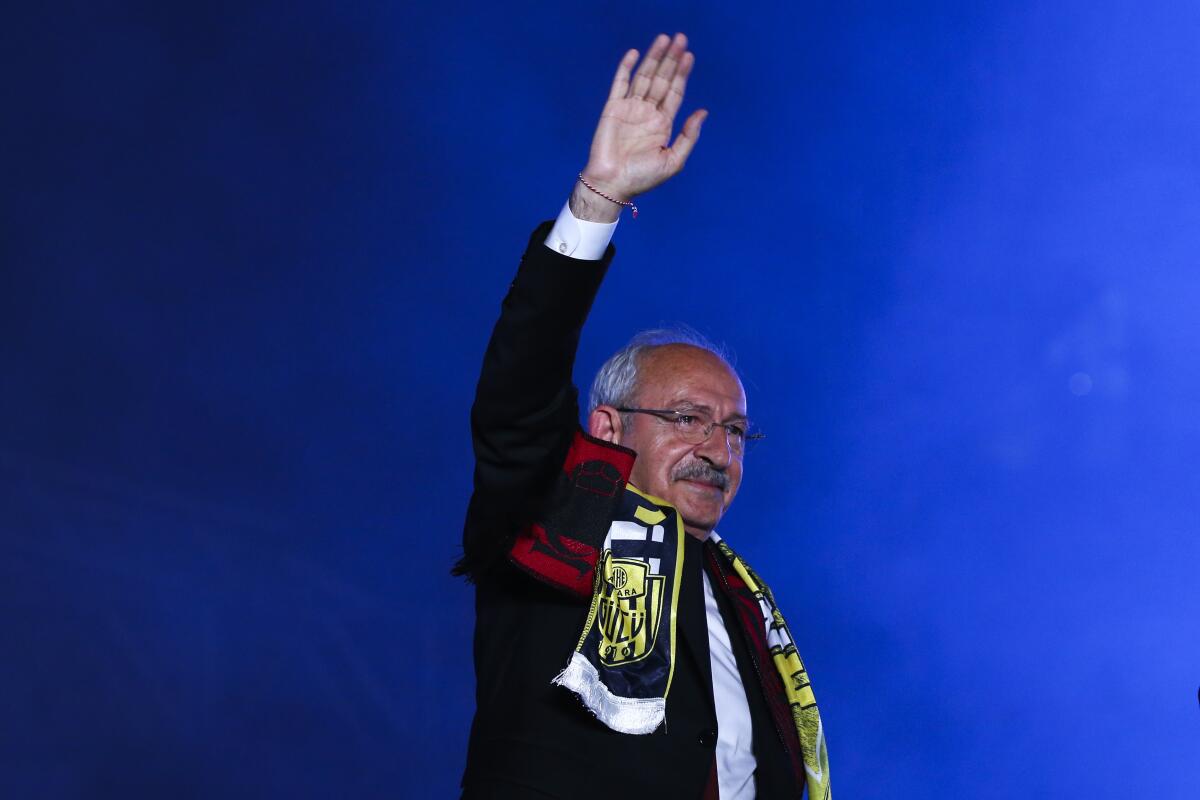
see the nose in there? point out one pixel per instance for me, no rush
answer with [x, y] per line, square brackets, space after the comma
[716, 449]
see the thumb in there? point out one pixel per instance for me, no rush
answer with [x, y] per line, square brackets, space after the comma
[686, 140]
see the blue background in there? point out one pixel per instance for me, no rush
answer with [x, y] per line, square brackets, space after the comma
[249, 257]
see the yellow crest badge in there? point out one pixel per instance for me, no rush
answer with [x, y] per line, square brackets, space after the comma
[630, 609]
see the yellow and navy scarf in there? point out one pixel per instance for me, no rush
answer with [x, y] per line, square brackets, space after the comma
[624, 661]
[782, 649]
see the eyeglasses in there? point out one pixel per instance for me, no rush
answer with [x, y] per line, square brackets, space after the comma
[695, 426]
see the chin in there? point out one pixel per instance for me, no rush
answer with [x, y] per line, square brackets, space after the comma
[698, 504]
[705, 520]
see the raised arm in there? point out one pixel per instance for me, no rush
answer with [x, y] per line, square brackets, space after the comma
[526, 408]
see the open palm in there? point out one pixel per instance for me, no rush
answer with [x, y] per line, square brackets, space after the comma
[630, 153]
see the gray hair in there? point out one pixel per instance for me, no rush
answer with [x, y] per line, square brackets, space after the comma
[616, 382]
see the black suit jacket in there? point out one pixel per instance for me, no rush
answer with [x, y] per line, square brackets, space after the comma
[529, 737]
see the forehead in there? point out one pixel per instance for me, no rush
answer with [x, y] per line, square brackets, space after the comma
[676, 373]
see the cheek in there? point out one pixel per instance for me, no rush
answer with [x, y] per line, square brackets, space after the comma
[653, 467]
[735, 483]
[665, 456]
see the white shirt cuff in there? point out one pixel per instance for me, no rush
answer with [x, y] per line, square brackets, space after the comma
[579, 238]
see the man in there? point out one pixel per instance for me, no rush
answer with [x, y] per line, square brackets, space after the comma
[683, 681]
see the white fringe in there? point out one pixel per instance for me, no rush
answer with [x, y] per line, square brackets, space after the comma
[622, 714]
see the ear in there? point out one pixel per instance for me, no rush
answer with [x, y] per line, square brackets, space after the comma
[605, 423]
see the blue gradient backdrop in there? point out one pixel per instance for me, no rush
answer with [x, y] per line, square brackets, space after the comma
[249, 257]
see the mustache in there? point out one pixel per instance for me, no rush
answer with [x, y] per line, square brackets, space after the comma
[701, 471]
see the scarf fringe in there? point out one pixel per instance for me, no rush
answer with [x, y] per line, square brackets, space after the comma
[621, 714]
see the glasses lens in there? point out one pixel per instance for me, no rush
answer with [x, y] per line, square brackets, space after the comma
[691, 426]
[695, 427]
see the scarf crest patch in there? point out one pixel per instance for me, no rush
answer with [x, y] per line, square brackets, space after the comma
[625, 659]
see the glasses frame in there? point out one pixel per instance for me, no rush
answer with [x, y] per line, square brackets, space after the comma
[673, 415]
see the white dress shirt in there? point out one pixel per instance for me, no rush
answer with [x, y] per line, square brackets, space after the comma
[735, 744]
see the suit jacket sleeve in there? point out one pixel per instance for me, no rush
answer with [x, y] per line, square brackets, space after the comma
[526, 408]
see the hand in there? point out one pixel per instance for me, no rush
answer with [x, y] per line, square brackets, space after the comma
[630, 153]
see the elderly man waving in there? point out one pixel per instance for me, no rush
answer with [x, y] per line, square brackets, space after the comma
[622, 648]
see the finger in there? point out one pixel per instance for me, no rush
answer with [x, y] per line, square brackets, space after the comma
[645, 72]
[665, 71]
[686, 140]
[674, 98]
[620, 84]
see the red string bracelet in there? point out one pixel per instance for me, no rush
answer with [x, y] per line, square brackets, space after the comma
[626, 203]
